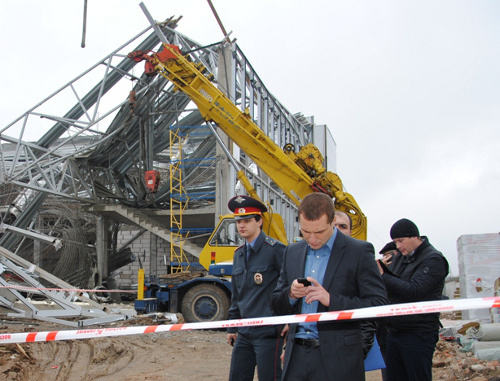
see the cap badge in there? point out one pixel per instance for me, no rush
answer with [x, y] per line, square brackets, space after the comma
[241, 210]
[239, 199]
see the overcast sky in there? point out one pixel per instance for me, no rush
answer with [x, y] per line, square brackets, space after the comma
[409, 89]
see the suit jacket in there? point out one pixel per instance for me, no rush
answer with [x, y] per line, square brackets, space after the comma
[353, 280]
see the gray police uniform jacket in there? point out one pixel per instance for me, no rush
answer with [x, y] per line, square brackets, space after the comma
[254, 280]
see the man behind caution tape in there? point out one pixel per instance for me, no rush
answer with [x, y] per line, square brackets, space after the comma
[256, 269]
[417, 274]
[341, 274]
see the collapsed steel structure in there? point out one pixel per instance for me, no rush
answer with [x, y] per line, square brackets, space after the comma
[56, 166]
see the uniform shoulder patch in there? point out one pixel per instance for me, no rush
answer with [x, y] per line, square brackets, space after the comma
[271, 241]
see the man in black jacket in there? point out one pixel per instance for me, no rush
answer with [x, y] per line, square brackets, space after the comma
[415, 276]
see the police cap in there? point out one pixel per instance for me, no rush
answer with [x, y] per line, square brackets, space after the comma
[245, 207]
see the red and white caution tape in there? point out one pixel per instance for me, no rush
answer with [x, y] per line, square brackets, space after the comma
[360, 313]
[78, 290]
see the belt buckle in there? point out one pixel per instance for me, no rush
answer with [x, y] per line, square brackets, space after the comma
[310, 343]
[315, 343]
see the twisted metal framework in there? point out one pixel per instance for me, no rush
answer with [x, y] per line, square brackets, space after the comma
[95, 152]
[91, 141]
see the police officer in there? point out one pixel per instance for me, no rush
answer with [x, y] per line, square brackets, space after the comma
[256, 269]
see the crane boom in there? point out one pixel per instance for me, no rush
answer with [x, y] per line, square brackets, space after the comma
[296, 173]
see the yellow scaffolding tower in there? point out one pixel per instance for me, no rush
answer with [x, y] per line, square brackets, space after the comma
[178, 203]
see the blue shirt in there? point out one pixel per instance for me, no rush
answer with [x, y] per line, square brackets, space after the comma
[316, 262]
[249, 246]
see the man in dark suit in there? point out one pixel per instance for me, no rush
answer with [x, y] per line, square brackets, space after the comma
[343, 275]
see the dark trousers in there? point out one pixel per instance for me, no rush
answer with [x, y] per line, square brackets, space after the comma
[306, 364]
[383, 371]
[381, 338]
[409, 355]
[251, 351]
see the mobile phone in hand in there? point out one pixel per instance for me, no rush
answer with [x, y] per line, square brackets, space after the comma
[304, 281]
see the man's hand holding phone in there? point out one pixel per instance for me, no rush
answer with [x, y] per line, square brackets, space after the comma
[300, 288]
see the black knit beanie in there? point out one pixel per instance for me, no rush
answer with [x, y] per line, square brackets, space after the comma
[404, 228]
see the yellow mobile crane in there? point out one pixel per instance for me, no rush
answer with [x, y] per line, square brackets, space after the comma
[296, 173]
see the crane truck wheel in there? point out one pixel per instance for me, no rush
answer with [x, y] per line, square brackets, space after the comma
[205, 302]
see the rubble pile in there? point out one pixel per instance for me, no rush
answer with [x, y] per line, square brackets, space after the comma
[450, 363]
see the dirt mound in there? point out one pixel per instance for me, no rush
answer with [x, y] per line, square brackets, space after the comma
[180, 355]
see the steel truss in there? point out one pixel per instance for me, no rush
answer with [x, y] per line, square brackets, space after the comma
[96, 152]
[79, 159]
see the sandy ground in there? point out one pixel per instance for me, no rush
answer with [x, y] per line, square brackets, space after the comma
[173, 356]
